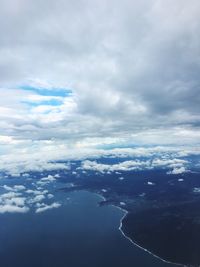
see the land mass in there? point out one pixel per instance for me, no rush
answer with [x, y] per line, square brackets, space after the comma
[163, 214]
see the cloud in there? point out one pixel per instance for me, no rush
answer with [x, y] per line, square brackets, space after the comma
[162, 161]
[17, 166]
[169, 162]
[18, 200]
[13, 202]
[45, 157]
[36, 192]
[36, 199]
[178, 171]
[196, 190]
[122, 166]
[15, 188]
[124, 72]
[150, 183]
[43, 207]
[13, 209]
[49, 178]
[9, 195]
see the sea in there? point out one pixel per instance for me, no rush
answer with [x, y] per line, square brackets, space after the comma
[79, 233]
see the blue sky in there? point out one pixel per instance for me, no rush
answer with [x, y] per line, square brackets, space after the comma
[61, 92]
[54, 96]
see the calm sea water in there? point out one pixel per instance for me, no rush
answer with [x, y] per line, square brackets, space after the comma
[78, 234]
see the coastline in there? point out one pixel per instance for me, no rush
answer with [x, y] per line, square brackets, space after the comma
[146, 250]
[127, 237]
[135, 244]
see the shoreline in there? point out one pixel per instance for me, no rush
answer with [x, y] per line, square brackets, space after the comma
[128, 238]
[135, 244]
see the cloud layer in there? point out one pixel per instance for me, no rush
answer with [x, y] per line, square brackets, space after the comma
[98, 73]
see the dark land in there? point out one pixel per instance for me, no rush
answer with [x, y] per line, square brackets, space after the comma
[163, 209]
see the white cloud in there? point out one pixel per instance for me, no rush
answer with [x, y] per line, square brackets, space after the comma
[36, 192]
[164, 159]
[15, 188]
[8, 188]
[45, 207]
[9, 195]
[7, 208]
[49, 178]
[196, 190]
[177, 165]
[13, 202]
[104, 190]
[16, 166]
[150, 183]
[169, 162]
[36, 199]
[122, 166]
[17, 201]
[133, 68]
[43, 157]
[178, 170]
[19, 187]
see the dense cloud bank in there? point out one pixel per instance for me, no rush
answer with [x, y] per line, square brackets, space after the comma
[98, 73]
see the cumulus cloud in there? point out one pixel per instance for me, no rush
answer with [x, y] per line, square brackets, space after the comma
[15, 188]
[9, 195]
[36, 192]
[150, 183]
[36, 199]
[13, 202]
[50, 196]
[122, 166]
[16, 199]
[49, 178]
[196, 190]
[7, 208]
[45, 158]
[43, 207]
[178, 171]
[16, 166]
[175, 165]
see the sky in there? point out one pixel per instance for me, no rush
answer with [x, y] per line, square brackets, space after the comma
[80, 77]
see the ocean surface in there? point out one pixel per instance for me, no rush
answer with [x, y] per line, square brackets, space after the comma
[77, 234]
